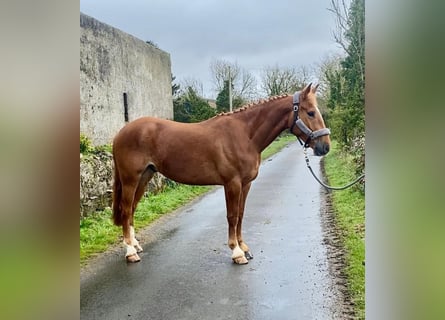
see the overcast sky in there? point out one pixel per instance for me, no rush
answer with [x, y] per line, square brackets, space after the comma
[254, 34]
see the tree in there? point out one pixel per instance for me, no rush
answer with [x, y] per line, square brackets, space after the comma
[276, 80]
[332, 82]
[346, 79]
[222, 100]
[194, 84]
[190, 107]
[175, 87]
[244, 83]
[354, 63]
[350, 35]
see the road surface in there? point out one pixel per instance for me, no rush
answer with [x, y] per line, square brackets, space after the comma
[186, 271]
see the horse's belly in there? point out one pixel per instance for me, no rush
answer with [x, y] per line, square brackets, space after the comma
[191, 173]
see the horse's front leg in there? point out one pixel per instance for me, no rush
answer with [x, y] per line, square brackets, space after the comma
[134, 241]
[233, 193]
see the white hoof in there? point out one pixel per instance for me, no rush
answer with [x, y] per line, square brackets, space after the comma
[130, 250]
[241, 260]
[237, 252]
[238, 256]
[133, 258]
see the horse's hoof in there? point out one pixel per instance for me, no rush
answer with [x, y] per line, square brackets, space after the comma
[133, 258]
[240, 260]
[248, 255]
[138, 248]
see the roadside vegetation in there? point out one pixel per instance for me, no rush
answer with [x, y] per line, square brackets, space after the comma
[98, 233]
[344, 96]
[349, 210]
[342, 102]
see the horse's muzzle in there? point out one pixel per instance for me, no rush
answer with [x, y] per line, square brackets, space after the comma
[321, 148]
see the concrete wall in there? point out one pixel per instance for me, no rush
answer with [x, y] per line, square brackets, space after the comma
[113, 63]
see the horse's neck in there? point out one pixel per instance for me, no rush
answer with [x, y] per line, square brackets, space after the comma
[268, 121]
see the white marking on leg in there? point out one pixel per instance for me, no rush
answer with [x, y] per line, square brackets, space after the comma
[237, 252]
[134, 242]
[130, 249]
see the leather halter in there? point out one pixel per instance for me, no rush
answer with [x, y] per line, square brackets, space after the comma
[311, 135]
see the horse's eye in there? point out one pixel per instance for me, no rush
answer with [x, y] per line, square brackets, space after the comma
[311, 114]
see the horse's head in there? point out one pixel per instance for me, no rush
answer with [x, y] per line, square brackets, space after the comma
[307, 123]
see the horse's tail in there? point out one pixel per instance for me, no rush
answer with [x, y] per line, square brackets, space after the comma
[117, 196]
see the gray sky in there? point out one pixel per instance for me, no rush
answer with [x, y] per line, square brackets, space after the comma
[254, 34]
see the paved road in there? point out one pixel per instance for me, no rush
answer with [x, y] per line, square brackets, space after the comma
[186, 271]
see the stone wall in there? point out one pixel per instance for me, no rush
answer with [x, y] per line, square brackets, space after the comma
[96, 182]
[114, 64]
[96, 178]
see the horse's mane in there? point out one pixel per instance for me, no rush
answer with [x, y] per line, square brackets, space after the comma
[251, 105]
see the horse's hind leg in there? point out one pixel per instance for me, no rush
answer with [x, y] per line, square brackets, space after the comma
[239, 236]
[146, 176]
[128, 193]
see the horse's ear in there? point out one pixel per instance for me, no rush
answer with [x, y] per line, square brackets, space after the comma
[306, 90]
[315, 88]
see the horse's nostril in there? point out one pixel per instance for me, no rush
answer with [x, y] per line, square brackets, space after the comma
[326, 148]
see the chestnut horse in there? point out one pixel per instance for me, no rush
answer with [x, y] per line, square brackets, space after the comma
[224, 150]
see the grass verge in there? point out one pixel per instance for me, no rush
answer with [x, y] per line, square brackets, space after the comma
[97, 232]
[349, 207]
[277, 145]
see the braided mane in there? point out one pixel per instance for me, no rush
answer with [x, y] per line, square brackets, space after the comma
[253, 104]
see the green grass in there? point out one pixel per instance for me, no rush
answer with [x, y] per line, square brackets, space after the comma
[349, 206]
[277, 145]
[97, 232]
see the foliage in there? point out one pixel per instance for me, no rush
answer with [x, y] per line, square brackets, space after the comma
[222, 100]
[175, 87]
[152, 44]
[190, 107]
[349, 207]
[86, 147]
[346, 81]
[102, 149]
[85, 144]
[357, 151]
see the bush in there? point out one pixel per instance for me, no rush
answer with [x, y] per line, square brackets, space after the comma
[357, 150]
[101, 149]
[190, 107]
[85, 144]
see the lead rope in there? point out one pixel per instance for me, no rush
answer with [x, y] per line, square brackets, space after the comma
[322, 183]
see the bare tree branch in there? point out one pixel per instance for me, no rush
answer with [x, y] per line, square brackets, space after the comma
[341, 14]
[244, 83]
[276, 80]
[193, 83]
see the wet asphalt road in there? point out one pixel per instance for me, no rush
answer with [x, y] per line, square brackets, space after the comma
[186, 271]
